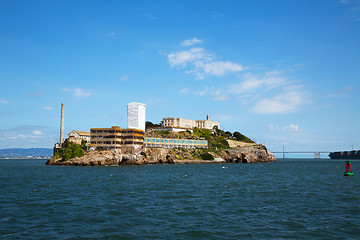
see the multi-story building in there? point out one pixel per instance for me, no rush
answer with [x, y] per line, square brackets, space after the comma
[190, 124]
[78, 136]
[115, 138]
[136, 115]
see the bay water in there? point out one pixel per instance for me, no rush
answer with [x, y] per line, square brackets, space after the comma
[287, 199]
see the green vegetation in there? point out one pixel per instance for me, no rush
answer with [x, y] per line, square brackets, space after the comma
[206, 156]
[238, 136]
[71, 151]
[216, 141]
[149, 125]
[144, 154]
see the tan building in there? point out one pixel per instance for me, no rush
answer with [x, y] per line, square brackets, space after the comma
[115, 138]
[179, 122]
[78, 136]
[190, 124]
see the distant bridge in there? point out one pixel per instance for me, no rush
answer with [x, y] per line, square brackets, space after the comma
[316, 153]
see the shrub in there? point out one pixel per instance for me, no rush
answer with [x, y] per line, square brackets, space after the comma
[71, 150]
[206, 156]
[242, 138]
[144, 154]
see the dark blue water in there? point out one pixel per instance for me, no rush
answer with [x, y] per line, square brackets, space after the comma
[293, 199]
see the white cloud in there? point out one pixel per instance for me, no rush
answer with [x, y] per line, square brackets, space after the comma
[342, 92]
[124, 78]
[191, 42]
[48, 108]
[77, 92]
[289, 101]
[195, 56]
[218, 96]
[265, 82]
[293, 127]
[184, 90]
[220, 68]
[37, 132]
[289, 128]
[201, 64]
[112, 34]
[201, 92]
[26, 136]
[149, 16]
[4, 101]
[222, 117]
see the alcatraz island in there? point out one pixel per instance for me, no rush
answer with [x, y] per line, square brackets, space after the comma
[173, 141]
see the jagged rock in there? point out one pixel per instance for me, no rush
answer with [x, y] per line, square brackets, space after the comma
[247, 154]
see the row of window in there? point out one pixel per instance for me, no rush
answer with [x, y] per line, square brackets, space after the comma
[174, 146]
[94, 138]
[170, 141]
[117, 131]
[117, 142]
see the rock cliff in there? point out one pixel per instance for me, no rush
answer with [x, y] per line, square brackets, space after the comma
[245, 154]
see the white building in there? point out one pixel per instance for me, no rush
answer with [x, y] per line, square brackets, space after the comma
[78, 136]
[136, 115]
[190, 124]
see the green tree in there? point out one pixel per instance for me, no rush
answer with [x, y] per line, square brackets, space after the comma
[238, 136]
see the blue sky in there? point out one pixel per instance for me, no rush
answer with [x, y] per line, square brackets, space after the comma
[281, 72]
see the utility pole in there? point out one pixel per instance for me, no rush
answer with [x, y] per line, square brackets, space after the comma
[62, 125]
[283, 151]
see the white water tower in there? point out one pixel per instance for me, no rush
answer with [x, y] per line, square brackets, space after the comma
[136, 115]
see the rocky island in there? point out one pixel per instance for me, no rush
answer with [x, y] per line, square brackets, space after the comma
[223, 147]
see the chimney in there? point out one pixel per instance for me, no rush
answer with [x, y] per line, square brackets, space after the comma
[62, 124]
[207, 117]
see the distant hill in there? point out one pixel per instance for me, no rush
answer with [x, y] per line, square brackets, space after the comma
[26, 153]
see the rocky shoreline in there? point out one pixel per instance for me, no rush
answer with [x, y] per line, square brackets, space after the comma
[253, 153]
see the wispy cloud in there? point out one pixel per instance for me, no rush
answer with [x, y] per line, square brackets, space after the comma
[220, 68]
[37, 132]
[4, 101]
[149, 16]
[219, 96]
[48, 108]
[201, 92]
[200, 63]
[222, 117]
[112, 34]
[191, 42]
[251, 82]
[194, 56]
[77, 92]
[183, 91]
[124, 78]
[345, 92]
[289, 128]
[286, 102]
[25, 137]
[34, 94]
